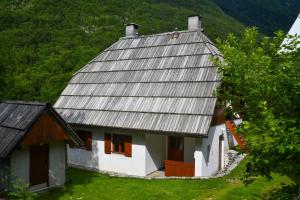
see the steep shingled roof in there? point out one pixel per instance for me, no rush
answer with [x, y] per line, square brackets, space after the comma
[16, 119]
[162, 83]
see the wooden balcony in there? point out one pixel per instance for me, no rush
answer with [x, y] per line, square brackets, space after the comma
[176, 168]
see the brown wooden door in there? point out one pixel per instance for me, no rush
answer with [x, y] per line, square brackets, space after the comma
[39, 164]
[176, 148]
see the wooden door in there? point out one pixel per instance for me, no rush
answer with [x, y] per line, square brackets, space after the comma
[176, 148]
[39, 164]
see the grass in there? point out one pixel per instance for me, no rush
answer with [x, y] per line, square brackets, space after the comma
[92, 185]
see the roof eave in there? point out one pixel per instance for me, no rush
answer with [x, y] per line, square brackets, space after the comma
[159, 132]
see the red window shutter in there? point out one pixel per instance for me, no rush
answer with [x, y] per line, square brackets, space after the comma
[107, 143]
[88, 141]
[128, 146]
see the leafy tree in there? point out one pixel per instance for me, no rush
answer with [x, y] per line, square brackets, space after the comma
[262, 82]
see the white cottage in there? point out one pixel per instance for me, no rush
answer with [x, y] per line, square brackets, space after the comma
[146, 103]
[33, 144]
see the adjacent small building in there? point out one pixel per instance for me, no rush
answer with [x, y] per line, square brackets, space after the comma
[294, 31]
[147, 103]
[33, 141]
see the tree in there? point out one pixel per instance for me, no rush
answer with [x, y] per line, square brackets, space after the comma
[262, 82]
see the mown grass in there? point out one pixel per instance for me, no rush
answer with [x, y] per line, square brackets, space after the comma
[91, 185]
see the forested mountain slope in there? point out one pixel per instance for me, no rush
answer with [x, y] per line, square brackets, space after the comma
[268, 15]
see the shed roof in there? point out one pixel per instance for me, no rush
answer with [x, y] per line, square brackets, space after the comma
[16, 119]
[162, 83]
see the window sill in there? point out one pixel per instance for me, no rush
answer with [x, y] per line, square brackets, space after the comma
[118, 153]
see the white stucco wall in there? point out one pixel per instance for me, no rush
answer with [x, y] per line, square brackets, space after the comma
[134, 165]
[155, 152]
[205, 166]
[148, 153]
[98, 160]
[84, 158]
[57, 164]
[19, 164]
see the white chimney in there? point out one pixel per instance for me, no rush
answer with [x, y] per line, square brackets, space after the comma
[132, 30]
[194, 23]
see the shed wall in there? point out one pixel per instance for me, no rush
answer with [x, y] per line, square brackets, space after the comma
[19, 164]
[57, 164]
[4, 164]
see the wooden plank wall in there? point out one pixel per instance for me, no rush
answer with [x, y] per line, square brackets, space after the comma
[175, 168]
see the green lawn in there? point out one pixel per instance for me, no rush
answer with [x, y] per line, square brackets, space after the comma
[92, 185]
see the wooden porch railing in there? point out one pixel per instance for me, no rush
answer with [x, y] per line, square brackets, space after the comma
[240, 140]
[176, 168]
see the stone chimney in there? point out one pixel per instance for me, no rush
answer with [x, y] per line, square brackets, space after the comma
[132, 30]
[194, 23]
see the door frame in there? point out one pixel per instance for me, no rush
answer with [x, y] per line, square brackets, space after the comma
[221, 152]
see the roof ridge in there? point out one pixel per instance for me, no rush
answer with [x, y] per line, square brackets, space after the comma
[36, 103]
[158, 34]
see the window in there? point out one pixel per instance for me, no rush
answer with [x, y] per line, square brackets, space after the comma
[86, 138]
[120, 144]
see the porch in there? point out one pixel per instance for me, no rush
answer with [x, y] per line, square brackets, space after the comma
[168, 156]
[174, 169]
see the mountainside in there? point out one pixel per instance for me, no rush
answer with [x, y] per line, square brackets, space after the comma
[43, 42]
[268, 15]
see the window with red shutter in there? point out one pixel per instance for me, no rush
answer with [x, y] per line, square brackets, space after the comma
[107, 143]
[88, 141]
[121, 144]
[128, 146]
[86, 137]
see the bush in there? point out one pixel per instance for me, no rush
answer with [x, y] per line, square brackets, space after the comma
[12, 187]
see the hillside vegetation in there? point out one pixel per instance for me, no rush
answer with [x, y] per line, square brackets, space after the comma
[43, 42]
[268, 15]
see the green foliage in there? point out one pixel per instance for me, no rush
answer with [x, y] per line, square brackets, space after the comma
[268, 15]
[43, 42]
[14, 188]
[262, 82]
[286, 192]
[20, 190]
